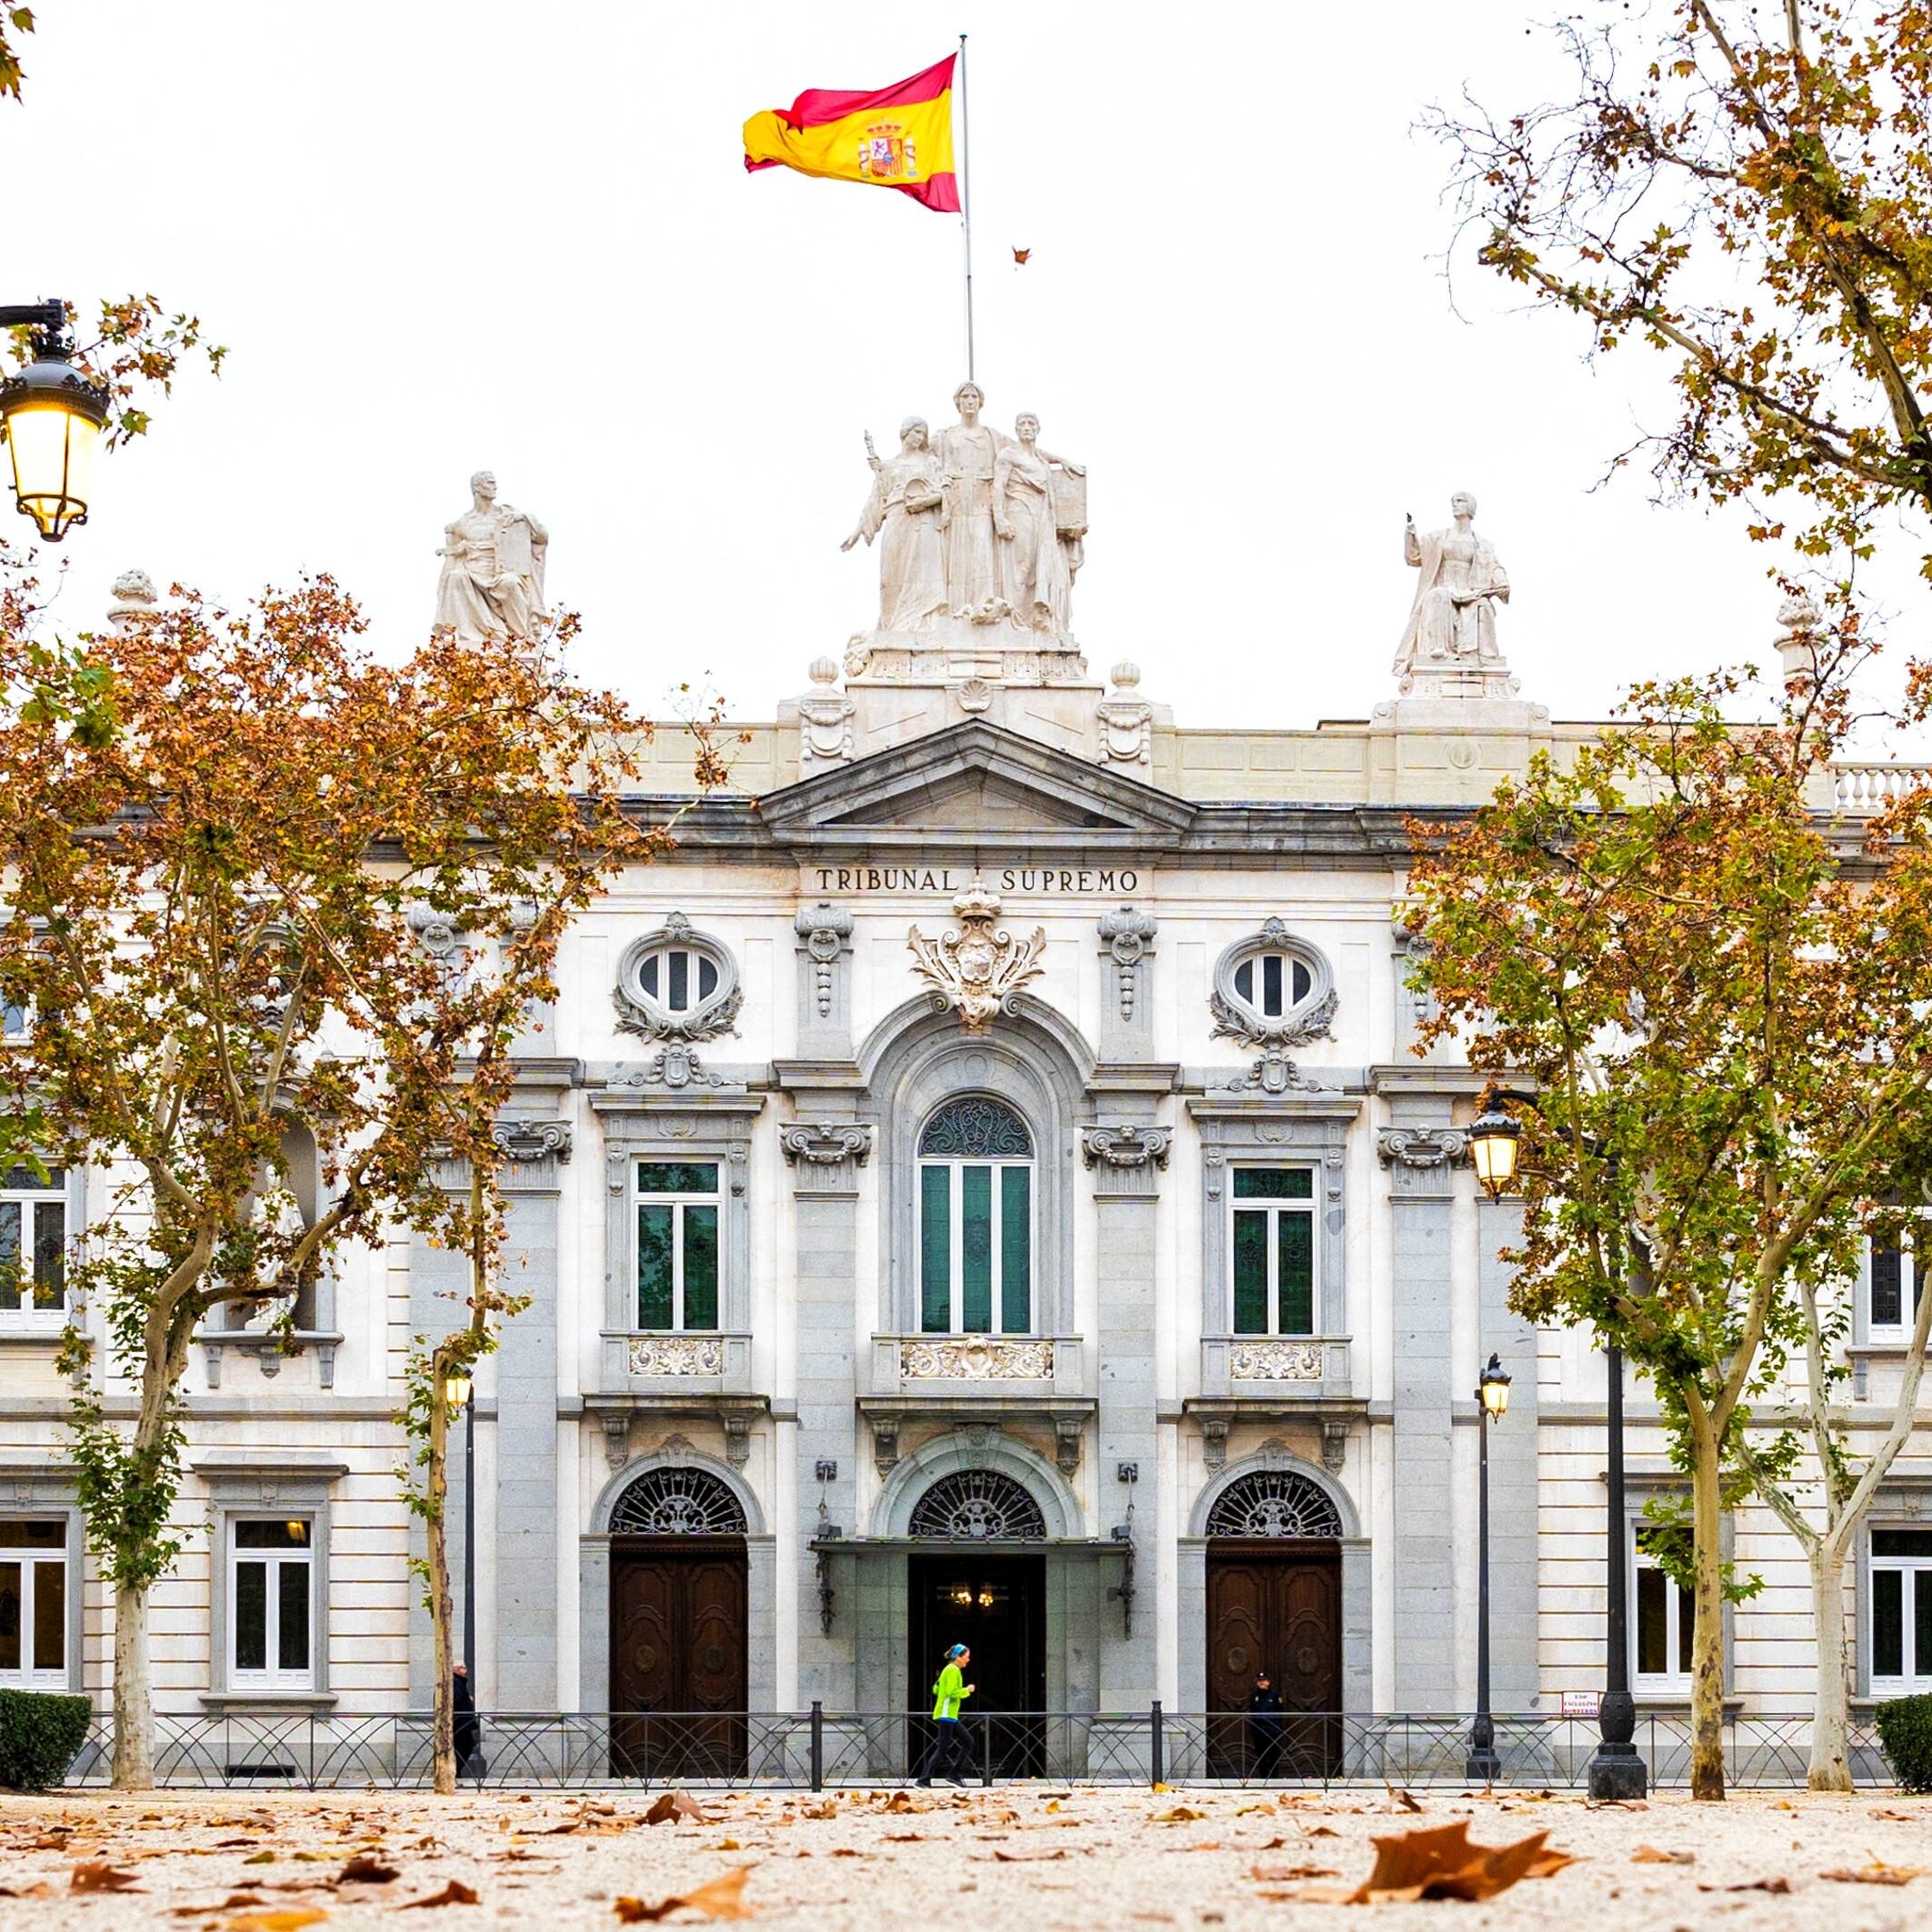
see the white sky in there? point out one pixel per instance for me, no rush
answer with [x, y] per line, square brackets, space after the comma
[439, 237]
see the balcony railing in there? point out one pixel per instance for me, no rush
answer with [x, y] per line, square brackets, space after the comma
[1046, 1364]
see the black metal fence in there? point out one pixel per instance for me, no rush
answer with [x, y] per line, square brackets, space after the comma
[815, 1749]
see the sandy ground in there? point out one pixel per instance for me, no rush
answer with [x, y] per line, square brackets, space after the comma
[1013, 1859]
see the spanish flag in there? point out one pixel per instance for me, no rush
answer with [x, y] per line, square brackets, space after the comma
[899, 137]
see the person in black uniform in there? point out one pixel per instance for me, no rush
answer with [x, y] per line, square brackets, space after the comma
[1265, 1724]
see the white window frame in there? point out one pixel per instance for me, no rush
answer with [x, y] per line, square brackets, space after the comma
[697, 957]
[275, 1676]
[1911, 1683]
[12, 1032]
[27, 1678]
[1654, 1683]
[677, 1201]
[1894, 1334]
[1307, 1209]
[31, 1200]
[1255, 964]
[956, 1236]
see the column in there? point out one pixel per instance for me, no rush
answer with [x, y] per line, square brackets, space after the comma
[1514, 1678]
[1418, 1157]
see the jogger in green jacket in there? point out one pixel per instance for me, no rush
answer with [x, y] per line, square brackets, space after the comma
[950, 1752]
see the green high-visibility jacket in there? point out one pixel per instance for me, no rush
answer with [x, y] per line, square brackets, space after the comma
[949, 1692]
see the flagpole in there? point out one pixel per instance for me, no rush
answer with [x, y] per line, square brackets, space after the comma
[966, 197]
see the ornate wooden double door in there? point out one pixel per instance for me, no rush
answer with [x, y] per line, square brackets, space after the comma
[677, 1657]
[1275, 1606]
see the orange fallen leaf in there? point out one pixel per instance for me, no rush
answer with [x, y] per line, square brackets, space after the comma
[718, 1899]
[40, 1889]
[1650, 1855]
[1027, 1857]
[455, 1893]
[1276, 1874]
[1177, 1815]
[101, 1878]
[1439, 1862]
[1408, 1800]
[1877, 1873]
[289, 1921]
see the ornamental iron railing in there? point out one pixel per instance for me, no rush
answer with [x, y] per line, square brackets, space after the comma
[818, 1748]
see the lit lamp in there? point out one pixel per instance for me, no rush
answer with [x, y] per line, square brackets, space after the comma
[1492, 1389]
[1493, 1138]
[54, 417]
[456, 1389]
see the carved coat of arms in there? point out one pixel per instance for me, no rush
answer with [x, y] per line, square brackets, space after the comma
[976, 966]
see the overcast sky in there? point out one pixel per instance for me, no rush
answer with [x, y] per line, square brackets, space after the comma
[443, 236]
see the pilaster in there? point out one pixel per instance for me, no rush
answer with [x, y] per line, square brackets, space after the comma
[1513, 1665]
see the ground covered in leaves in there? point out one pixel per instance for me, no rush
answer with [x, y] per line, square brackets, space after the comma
[1012, 1859]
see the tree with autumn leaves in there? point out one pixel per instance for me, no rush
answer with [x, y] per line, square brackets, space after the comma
[221, 833]
[1721, 997]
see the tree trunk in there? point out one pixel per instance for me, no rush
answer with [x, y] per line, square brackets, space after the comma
[134, 1704]
[1830, 1768]
[437, 1481]
[1706, 1680]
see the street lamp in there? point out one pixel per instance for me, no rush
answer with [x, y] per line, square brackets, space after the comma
[456, 1392]
[1615, 1770]
[54, 417]
[1492, 1392]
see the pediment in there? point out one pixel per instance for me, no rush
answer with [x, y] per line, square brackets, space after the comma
[970, 780]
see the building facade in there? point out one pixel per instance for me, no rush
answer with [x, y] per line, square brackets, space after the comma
[980, 1187]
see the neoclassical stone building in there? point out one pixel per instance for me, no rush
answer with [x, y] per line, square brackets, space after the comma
[978, 1186]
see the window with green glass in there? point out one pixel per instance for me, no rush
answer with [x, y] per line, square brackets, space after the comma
[975, 1220]
[1901, 1611]
[1272, 1259]
[677, 1243]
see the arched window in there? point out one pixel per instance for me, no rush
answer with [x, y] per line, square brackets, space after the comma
[677, 1502]
[975, 1220]
[1274, 1503]
[978, 1505]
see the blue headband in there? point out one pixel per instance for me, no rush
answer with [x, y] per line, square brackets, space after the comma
[957, 1650]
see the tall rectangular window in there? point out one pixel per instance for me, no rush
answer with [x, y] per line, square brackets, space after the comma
[1272, 1254]
[1892, 1288]
[1662, 1627]
[1901, 1611]
[270, 1584]
[33, 1602]
[33, 1249]
[677, 1243]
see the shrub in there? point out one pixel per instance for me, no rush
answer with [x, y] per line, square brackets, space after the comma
[40, 1736]
[1905, 1729]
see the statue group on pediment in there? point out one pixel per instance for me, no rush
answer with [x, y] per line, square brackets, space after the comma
[975, 526]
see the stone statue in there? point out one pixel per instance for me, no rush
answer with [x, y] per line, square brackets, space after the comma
[907, 510]
[966, 452]
[493, 569]
[1036, 565]
[1452, 623]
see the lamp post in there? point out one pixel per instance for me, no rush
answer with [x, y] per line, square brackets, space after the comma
[54, 417]
[1615, 1771]
[456, 1392]
[1492, 1395]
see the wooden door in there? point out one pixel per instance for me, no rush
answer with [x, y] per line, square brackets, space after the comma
[677, 1657]
[1274, 1607]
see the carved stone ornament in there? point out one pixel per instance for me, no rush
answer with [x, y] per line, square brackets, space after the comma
[1126, 1146]
[884, 1440]
[825, 928]
[1213, 1443]
[672, 1066]
[707, 1017]
[435, 932]
[676, 1354]
[1422, 1146]
[528, 1140]
[976, 967]
[1335, 1444]
[1273, 1073]
[825, 721]
[616, 1427]
[1275, 1360]
[1126, 721]
[1067, 1432]
[1127, 936]
[976, 1358]
[826, 1143]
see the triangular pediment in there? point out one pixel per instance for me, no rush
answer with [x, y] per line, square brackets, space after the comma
[970, 782]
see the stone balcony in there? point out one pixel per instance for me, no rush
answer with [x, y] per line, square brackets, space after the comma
[651, 1363]
[977, 1378]
[1275, 1368]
